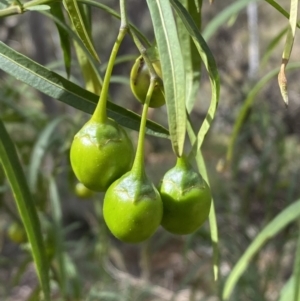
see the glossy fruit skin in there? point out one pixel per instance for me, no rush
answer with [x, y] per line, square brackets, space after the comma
[186, 198]
[16, 233]
[83, 192]
[100, 154]
[140, 82]
[132, 208]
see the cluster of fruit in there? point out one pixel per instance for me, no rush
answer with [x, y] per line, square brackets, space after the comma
[102, 157]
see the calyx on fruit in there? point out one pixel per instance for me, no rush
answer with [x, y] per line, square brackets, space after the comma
[132, 206]
[101, 152]
[186, 199]
[140, 82]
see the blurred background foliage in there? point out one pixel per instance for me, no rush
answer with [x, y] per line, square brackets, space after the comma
[261, 181]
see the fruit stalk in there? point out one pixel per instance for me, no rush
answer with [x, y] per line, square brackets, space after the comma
[100, 114]
[138, 165]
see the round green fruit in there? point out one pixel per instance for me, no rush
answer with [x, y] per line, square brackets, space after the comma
[16, 233]
[186, 199]
[100, 154]
[140, 82]
[83, 192]
[132, 208]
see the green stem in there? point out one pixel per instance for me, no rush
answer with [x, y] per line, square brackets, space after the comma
[10, 11]
[143, 52]
[100, 111]
[139, 165]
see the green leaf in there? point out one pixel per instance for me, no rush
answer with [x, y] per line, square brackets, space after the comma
[296, 272]
[212, 214]
[280, 9]
[285, 217]
[56, 11]
[25, 205]
[287, 292]
[39, 7]
[247, 104]
[66, 279]
[210, 66]
[93, 81]
[71, 33]
[76, 18]
[272, 45]
[191, 57]
[223, 16]
[54, 85]
[39, 150]
[172, 70]
[116, 15]
[282, 81]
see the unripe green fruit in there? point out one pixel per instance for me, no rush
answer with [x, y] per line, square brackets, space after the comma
[16, 233]
[140, 82]
[83, 192]
[186, 199]
[100, 154]
[132, 208]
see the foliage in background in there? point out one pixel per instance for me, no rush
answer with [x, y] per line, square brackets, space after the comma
[254, 196]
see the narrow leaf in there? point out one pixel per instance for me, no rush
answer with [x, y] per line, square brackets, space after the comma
[280, 9]
[76, 18]
[287, 292]
[272, 45]
[65, 279]
[210, 66]
[25, 205]
[172, 70]
[93, 81]
[116, 15]
[39, 150]
[247, 104]
[56, 11]
[72, 34]
[39, 7]
[223, 16]
[285, 217]
[282, 81]
[296, 272]
[212, 214]
[191, 57]
[54, 85]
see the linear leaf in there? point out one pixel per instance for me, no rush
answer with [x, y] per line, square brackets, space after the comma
[210, 65]
[280, 9]
[285, 217]
[39, 7]
[192, 60]
[78, 42]
[296, 272]
[247, 104]
[172, 70]
[282, 81]
[93, 81]
[76, 18]
[287, 292]
[67, 284]
[223, 16]
[116, 15]
[272, 45]
[56, 10]
[54, 85]
[25, 205]
[39, 150]
[212, 214]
